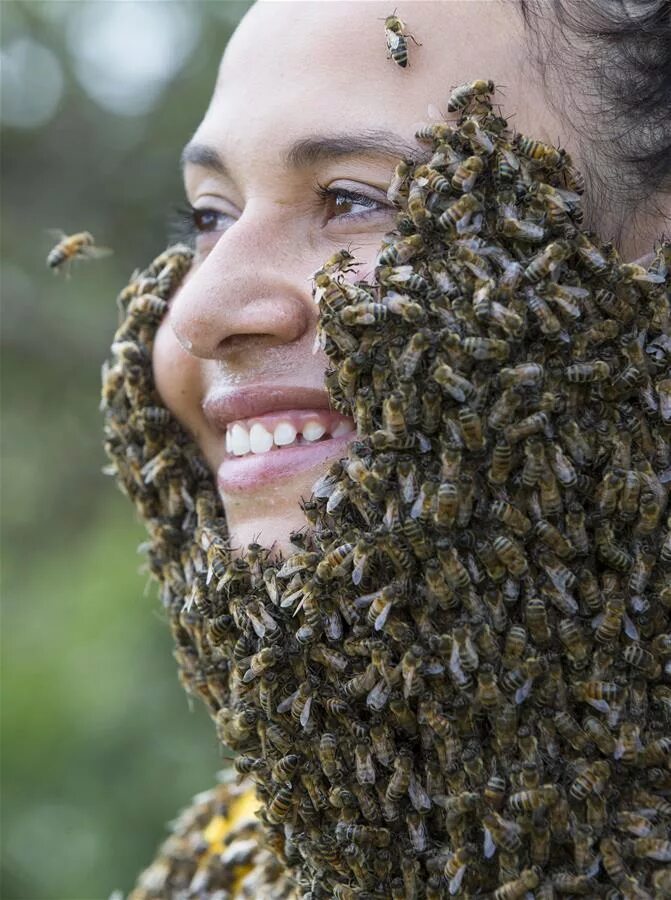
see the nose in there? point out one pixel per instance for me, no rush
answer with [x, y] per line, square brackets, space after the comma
[248, 292]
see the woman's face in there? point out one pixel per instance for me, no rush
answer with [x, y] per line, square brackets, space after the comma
[290, 164]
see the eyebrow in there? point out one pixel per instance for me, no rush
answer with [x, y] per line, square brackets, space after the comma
[309, 151]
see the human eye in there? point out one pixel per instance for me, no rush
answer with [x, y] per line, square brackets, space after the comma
[197, 226]
[340, 205]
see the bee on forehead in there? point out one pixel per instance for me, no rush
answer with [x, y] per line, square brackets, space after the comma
[396, 38]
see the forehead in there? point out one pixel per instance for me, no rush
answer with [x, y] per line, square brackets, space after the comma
[295, 67]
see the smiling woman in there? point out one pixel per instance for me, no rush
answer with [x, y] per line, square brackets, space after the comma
[410, 711]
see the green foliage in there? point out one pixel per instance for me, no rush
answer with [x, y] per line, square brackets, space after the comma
[100, 747]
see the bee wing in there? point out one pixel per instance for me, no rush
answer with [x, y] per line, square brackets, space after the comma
[56, 234]
[392, 39]
[96, 252]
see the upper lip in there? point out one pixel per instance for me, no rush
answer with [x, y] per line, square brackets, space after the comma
[224, 407]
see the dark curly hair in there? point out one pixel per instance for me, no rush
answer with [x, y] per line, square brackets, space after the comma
[609, 62]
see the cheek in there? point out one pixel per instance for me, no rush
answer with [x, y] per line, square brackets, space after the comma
[176, 375]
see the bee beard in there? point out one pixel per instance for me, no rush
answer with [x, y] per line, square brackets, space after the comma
[370, 680]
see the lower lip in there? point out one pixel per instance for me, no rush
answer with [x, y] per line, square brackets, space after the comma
[244, 473]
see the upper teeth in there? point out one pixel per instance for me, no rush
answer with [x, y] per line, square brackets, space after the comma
[258, 439]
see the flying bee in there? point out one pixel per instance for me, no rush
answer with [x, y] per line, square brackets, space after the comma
[74, 246]
[395, 35]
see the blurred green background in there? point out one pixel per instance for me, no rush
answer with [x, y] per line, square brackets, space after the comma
[100, 747]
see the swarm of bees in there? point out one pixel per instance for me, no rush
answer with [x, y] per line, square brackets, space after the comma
[459, 685]
[74, 246]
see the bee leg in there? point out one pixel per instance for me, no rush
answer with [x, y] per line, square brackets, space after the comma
[419, 43]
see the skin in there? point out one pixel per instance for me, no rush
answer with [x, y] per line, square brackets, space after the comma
[245, 314]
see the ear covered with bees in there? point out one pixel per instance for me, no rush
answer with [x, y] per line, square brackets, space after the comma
[460, 683]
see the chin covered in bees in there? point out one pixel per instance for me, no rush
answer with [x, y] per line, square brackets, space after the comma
[455, 678]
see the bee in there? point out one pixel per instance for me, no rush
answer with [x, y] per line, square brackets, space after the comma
[576, 530]
[462, 95]
[610, 552]
[547, 321]
[486, 348]
[612, 861]
[638, 657]
[365, 769]
[459, 213]
[397, 45]
[545, 262]
[592, 258]
[652, 848]
[460, 388]
[260, 662]
[455, 868]
[506, 835]
[367, 802]
[382, 744]
[400, 252]
[524, 428]
[599, 694]
[657, 752]
[74, 246]
[600, 734]
[245, 765]
[521, 230]
[281, 805]
[570, 730]
[478, 138]
[511, 555]
[537, 622]
[467, 173]
[285, 768]
[577, 647]
[400, 780]
[362, 834]
[546, 155]
[518, 888]
[398, 188]
[592, 779]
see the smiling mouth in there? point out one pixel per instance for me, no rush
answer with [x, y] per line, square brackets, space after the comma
[250, 471]
[283, 430]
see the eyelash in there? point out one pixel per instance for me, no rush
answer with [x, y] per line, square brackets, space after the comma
[187, 223]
